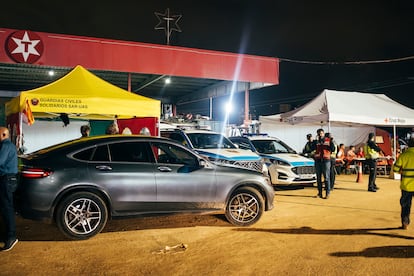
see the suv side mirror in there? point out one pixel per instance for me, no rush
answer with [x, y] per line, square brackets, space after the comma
[202, 162]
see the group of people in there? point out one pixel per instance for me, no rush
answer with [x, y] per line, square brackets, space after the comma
[323, 151]
[344, 160]
[328, 155]
[112, 129]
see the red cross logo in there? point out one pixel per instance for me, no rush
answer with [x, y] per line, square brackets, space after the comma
[24, 46]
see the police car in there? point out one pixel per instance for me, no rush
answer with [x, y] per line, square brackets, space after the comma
[216, 147]
[285, 166]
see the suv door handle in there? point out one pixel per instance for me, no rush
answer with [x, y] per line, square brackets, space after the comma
[103, 168]
[164, 169]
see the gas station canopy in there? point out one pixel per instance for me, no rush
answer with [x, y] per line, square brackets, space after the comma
[33, 59]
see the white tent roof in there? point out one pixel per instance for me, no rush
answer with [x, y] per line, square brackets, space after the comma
[349, 108]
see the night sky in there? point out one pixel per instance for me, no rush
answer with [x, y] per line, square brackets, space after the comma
[321, 44]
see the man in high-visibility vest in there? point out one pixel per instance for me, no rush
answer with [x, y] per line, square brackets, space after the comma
[405, 166]
[323, 147]
[371, 151]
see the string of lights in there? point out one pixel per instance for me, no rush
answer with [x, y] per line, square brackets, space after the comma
[347, 62]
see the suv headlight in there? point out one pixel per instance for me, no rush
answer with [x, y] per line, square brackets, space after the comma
[265, 169]
[277, 162]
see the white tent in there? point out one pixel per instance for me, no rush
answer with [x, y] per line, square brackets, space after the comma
[295, 135]
[339, 112]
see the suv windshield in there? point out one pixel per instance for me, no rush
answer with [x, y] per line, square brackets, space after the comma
[271, 147]
[210, 141]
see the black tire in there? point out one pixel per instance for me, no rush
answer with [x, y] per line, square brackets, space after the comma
[245, 207]
[81, 215]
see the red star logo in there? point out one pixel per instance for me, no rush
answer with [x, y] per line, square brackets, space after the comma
[24, 46]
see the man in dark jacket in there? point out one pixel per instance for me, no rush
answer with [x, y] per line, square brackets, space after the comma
[308, 150]
[323, 147]
[8, 184]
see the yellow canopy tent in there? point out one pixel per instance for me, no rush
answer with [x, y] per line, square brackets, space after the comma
[81, 94]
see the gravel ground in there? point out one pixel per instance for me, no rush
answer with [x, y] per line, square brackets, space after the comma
[354, 232]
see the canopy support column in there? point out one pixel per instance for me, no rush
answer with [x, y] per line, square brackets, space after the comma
[246, 103]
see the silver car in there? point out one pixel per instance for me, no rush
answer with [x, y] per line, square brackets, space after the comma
[81, 184]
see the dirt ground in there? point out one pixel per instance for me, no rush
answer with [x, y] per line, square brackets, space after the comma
[354, 232]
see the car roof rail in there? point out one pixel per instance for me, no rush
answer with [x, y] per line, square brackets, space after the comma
[255, 134]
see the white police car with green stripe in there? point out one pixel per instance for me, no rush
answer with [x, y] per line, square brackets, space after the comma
[217, 148]
[285, 166]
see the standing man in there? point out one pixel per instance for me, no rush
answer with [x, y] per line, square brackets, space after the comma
[405, 166]
[371, 151]
[323, 149]
[308, 151]
[8, 184]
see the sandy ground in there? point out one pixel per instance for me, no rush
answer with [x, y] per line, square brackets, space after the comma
[354, 232]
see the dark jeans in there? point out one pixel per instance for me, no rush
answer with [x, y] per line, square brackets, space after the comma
[7, 188]
[323, 169]
[405, 202]
[333, 173]
[372, 164]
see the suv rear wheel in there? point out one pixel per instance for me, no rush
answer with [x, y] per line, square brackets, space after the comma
[81, 215]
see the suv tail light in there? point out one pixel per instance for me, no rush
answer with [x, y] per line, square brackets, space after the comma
[35, 173]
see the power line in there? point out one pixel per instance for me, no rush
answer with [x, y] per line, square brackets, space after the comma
[347, 62]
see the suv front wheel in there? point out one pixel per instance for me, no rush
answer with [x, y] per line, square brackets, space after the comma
[245, 207]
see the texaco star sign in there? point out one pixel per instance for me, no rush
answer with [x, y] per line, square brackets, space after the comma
[24, 46]
[168, 23]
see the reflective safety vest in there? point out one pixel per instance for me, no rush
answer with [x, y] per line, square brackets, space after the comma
[333, 154]
[405, 166]
[370, 153]
[323, 149]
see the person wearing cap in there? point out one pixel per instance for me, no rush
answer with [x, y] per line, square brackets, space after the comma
[405, 166]
[8, 185]
[371, 151]
[308, 148]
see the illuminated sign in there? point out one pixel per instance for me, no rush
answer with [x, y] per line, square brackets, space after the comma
[395, 120]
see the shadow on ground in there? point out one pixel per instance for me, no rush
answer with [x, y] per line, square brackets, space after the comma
[380, 252]
[311, 231]
[29, 230]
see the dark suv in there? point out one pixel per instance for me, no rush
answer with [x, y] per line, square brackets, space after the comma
[82, 183]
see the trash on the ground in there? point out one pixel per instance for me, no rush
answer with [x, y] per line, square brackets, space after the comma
[172, 249]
